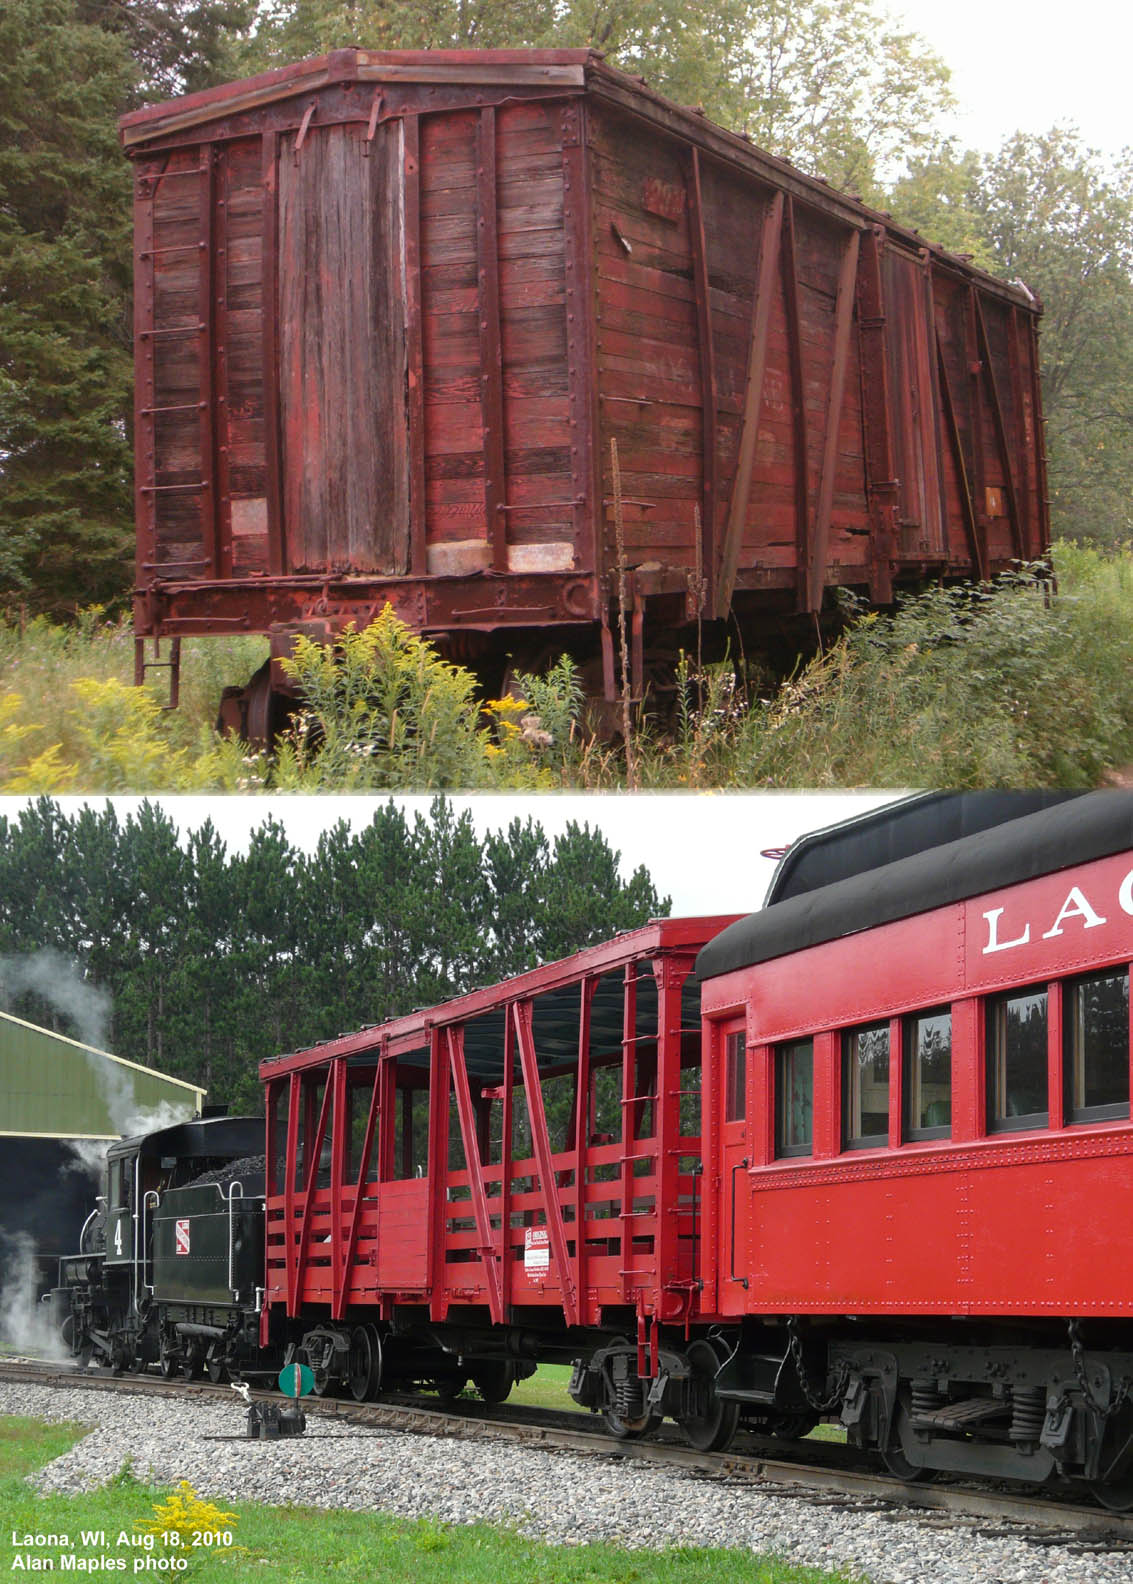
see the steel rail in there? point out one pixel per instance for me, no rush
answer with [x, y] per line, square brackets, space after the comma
[1063, 1522]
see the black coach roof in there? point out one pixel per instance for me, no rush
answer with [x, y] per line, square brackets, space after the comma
[1072, 832]
[898, 830]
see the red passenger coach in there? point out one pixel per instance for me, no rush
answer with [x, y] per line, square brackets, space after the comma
[865, 1154]
[925, 1144]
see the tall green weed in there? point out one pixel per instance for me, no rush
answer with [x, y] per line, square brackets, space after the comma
[1015, 684]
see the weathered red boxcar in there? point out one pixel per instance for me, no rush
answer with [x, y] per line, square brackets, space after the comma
[393, 310]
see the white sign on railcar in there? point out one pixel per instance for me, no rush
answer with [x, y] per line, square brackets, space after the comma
[181, 1236]
[536, 1251]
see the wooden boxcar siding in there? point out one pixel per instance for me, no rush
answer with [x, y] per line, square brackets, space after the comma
[342, 342]
[658, 352]
[498, 472]
[393, 333]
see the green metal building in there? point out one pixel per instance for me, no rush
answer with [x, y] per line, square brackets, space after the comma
[60, 1101]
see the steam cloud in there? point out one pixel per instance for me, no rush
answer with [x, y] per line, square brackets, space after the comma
[24, 1322]
[56, 980]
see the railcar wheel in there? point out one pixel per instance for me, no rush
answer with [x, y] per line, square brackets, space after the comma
[713, 1428]
[793, 1427]
[893, 1456]
[1114, 1495]
[630, 1429]
[364, 1363]
[217, 1369]
[449, 1390]
[494, 1380]
[168, 1363]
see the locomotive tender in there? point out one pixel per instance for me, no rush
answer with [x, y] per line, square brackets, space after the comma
[862, 1155]
[393, 308]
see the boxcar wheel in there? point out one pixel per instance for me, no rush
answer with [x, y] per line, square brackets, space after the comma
[714, 1426]
[364, 1363]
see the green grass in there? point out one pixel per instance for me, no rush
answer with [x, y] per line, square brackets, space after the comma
[547, 1388]
[1008, 685]
[307, 1546]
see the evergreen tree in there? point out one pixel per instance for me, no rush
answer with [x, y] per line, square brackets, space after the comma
[65, 259]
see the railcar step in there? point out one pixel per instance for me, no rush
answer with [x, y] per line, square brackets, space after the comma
[954, 1416]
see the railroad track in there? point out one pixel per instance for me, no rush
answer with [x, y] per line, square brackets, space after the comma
[831, 1481]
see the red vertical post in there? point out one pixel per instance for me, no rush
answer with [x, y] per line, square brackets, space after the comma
[582, 383]
[542, 1145]
[221, 427]
[454, 1041]
[798, 403]
[291, 1166]
[336, 1081]
[708, 392]
[507, 1264]
[629, 1121]
[205, 370]
[999, 423]
[582, 1139]
[310, 1182]
[145, 394]
[438, 1175]
[491, 357]
[881, 485]
[269, 299]
[1056, 1085]
[769, 258]
[415, 355]
[843, 321]
[342, 1288]
[670, 976]
[975, 398]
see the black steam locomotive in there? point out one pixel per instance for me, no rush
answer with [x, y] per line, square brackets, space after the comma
[170, 1263]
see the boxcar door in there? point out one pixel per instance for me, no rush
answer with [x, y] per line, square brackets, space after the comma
[731, 1066]
[342, 391]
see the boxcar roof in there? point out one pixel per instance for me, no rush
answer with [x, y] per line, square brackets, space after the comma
[570, 71]
[1074, 832]
[482, 1012]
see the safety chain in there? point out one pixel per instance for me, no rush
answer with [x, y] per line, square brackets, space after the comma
[1078, 1354]
[819, 1404]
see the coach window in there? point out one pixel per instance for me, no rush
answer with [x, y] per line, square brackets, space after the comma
[928, 1075]
[1095, 1048]
[735, 1078]
[794, 1098]
[1017, 1061]
[865, 1087]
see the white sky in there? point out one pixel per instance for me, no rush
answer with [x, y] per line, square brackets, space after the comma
[702, 850]
[1024, 67]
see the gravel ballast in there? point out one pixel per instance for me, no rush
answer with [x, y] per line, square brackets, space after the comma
[554, 1496]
